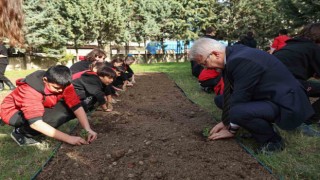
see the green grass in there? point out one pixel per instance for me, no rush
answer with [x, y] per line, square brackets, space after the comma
[300, 159]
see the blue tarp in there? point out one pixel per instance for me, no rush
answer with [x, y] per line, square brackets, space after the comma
[177, 46]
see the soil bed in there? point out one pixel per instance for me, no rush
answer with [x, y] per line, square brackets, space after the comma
[155, 133]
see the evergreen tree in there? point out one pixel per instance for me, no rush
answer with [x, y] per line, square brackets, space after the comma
[297, 13]
[111, 21]
[42, 28]
[78, 19]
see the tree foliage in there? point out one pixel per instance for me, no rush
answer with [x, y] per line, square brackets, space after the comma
[43, 28]
[51, 25]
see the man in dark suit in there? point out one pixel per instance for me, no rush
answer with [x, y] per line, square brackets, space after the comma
[259, 91]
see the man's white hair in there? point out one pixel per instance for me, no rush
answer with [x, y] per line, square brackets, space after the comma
[204, 46]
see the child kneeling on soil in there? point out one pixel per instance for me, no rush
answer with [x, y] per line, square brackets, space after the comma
[121, 82]
[91, 86]
[42, 102]
[128, 71]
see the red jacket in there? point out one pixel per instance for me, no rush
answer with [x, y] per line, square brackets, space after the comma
[279, 42]
[208, 74]
[31, 97]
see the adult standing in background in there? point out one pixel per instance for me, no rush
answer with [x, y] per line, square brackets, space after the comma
[249, 40]
[279, 41]
[4, 61]
[210, 32]
[301, 55]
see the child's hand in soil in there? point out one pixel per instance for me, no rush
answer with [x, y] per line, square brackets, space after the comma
[91, 136]
[76, 140]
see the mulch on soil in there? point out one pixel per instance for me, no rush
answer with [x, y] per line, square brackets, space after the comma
[154, 133]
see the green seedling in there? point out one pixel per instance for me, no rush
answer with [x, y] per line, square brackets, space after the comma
[206, 132]
[84, 134]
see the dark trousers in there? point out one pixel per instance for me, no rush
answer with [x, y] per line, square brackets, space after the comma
[313, 90]
[129, 75]
[109, 90]
[3, 78]
[55, 117]
[256, 117]
[118, 82]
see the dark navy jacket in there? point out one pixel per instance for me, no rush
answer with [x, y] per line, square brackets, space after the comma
[258, 76]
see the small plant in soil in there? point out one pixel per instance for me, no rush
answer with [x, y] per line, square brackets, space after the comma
[84, 134]
[206, 132]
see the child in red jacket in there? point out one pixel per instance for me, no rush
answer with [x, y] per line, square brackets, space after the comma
[43, 101]
[279, 41]
[208, 79]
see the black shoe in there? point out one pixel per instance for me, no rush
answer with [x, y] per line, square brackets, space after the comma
[271, 147]
[9, 83]
[22, 140]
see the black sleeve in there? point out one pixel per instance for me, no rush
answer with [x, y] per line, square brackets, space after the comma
[94, 87]
[130, 70]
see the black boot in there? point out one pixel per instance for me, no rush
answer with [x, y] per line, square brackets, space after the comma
[1, 85]
[9, 83]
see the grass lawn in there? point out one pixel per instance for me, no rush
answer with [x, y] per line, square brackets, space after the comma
[300, 159]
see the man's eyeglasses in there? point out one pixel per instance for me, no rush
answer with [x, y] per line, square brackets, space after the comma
[204, 63]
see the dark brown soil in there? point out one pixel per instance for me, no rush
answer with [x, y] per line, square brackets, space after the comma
[155, 134]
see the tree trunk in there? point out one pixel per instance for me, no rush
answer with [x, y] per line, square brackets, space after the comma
[26, 58]
[186, 51]
[145, 51]
[127, 49]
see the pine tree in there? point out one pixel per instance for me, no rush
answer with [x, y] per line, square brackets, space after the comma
[78, 19]
[42, 27]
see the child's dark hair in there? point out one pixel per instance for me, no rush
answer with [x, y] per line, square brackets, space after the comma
[119, 68]
[106, 71]
[95, 53]
[283, 32]
[311, 31]
[130, 58]
[96, 65]
[117, 60]
[59, 74]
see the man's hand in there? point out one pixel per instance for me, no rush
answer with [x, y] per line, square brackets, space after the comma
[91, 136]
[218, 127]
[223, 134]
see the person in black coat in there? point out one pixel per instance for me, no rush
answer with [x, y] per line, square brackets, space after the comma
[249, 40]
[91, 85]
[301, 56]
[4, 61]
[261, 92]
